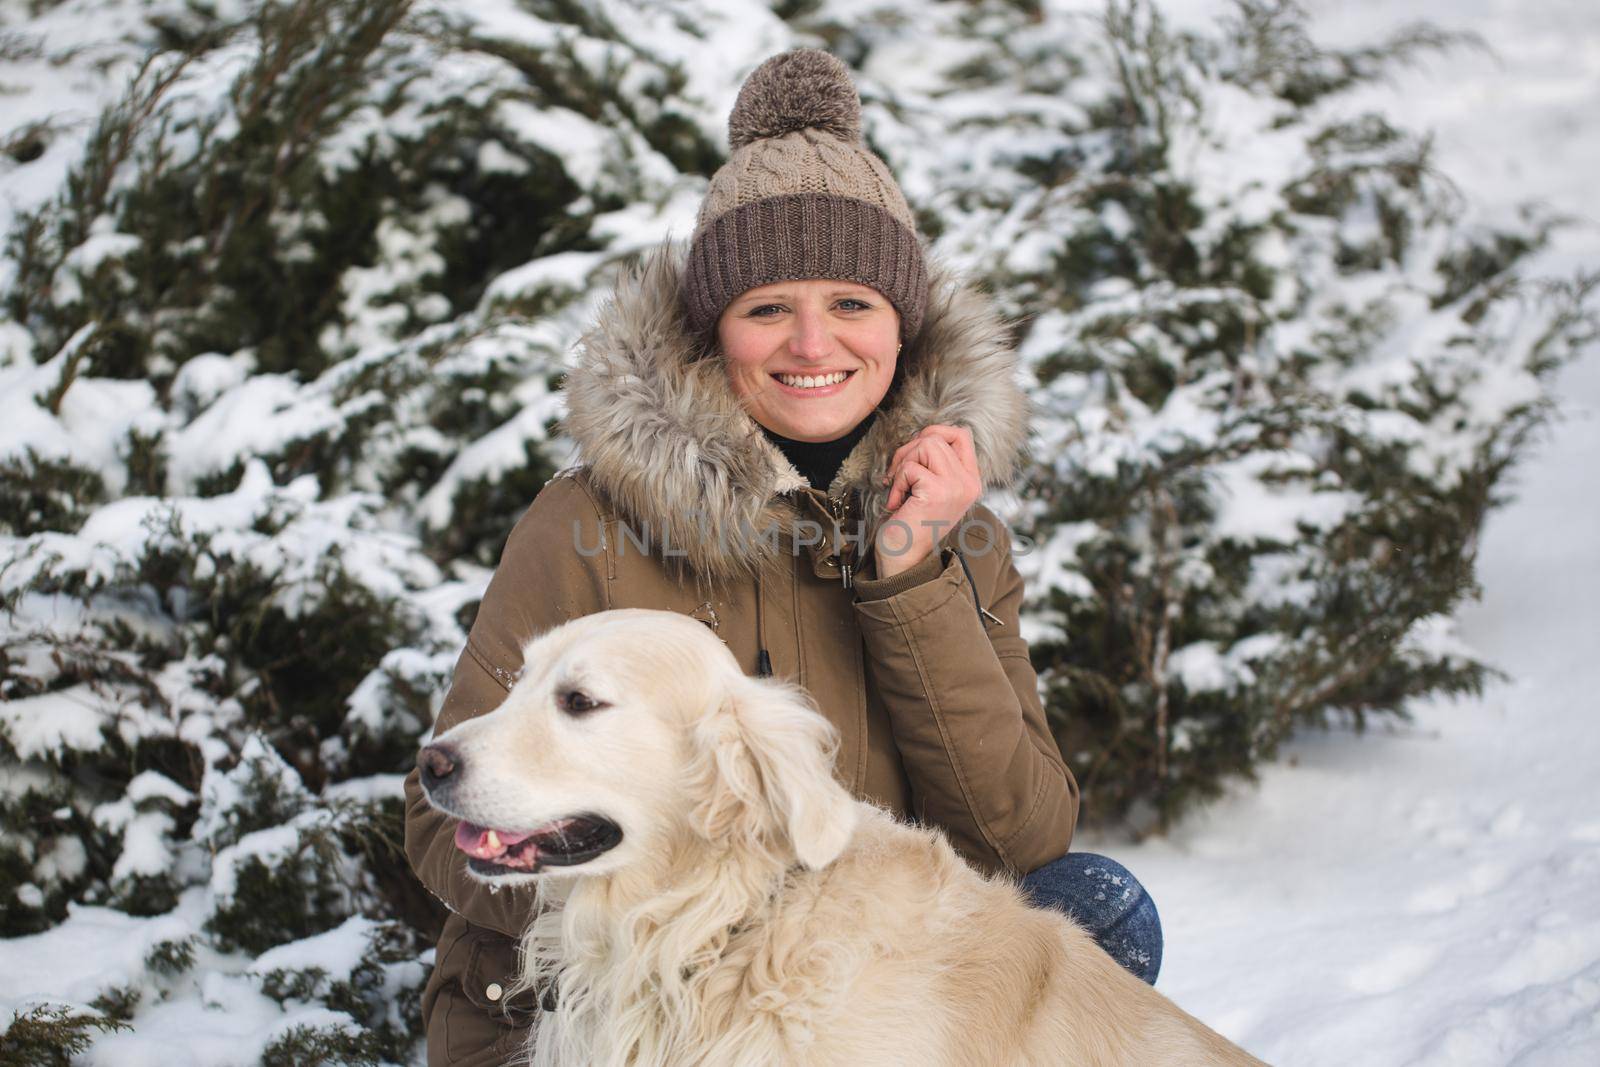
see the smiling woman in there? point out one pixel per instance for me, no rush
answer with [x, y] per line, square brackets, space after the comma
[810, 359]
[796, 417]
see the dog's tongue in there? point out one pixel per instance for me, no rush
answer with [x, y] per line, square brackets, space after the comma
[482, 843]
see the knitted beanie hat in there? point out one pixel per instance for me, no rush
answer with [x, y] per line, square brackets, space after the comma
[802, 197]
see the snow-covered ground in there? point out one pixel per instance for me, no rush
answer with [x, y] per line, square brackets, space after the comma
[1432, 896]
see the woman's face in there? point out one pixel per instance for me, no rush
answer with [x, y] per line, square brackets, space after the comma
[809, 359]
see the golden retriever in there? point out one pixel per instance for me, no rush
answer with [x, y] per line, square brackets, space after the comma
[712, 897]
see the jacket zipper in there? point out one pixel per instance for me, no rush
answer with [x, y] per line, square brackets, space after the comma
[839, 509]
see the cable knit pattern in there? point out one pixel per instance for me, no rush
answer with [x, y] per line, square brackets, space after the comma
[806, 161]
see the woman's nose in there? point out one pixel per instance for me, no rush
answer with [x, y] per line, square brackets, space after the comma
[811, 338]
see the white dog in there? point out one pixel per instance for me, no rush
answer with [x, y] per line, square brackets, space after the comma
[716, 899]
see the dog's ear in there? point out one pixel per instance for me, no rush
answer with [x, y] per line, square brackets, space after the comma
[764, 771]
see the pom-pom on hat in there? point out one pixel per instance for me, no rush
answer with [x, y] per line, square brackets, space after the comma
[803, 89]
[802, 197]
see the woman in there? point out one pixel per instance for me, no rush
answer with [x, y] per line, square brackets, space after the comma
[785, 434]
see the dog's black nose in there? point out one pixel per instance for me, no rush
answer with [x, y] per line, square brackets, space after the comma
[436, 762]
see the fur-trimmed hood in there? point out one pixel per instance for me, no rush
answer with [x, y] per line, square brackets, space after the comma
[666, 440]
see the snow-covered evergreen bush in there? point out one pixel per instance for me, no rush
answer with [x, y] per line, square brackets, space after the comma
[282, 335]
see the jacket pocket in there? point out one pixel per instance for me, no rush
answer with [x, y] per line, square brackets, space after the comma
[478, 1013]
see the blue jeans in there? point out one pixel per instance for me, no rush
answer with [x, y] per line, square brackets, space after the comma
[1108, 902]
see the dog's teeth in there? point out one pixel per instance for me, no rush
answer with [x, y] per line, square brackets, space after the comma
[493, 840]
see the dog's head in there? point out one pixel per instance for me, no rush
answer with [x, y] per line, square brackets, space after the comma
[630, 733]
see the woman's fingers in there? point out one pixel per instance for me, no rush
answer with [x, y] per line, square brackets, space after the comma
[917, 438]
[920, 468]
[899, 453]
[943, 462]
[967, 483]
[911, 475]
[949, 484]
[959, 438]
[931, 464]
[940, 457]
[900, 488]
[961, 442]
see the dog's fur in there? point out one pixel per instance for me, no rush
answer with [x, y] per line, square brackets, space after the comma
[754, 912]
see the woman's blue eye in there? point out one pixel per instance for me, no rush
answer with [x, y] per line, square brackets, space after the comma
[849, 303]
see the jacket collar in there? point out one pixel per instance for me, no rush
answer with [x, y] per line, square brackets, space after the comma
[664, 438]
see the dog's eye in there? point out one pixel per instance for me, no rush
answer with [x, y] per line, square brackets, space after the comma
[576, 702]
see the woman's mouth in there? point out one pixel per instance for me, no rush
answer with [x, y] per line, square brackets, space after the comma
[813, 384]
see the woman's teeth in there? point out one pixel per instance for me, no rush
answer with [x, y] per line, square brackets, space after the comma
[806, 381]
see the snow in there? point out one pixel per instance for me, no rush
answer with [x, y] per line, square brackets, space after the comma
[52, 722]
[1201, 666]
[562, 271]
[67, 859]
[497, 452]
[232, 1030]
[223, 794]
[145, 846]
[90, 418]
[1220, 158]
[96, 948]
[579, 143]
[207, 376]
[1252, 508]
[373, 787]
[259, 415]
[264, 845]
[335, 952]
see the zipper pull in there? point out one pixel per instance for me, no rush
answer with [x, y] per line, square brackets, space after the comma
[839, 510]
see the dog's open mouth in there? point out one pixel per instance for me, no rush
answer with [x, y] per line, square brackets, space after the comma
[562, 843]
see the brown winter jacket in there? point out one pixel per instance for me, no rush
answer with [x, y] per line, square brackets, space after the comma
[925, 674]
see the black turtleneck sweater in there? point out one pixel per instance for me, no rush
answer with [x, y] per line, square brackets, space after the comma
[819, 461]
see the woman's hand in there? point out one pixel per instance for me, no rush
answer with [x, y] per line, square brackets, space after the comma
[933, 482]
